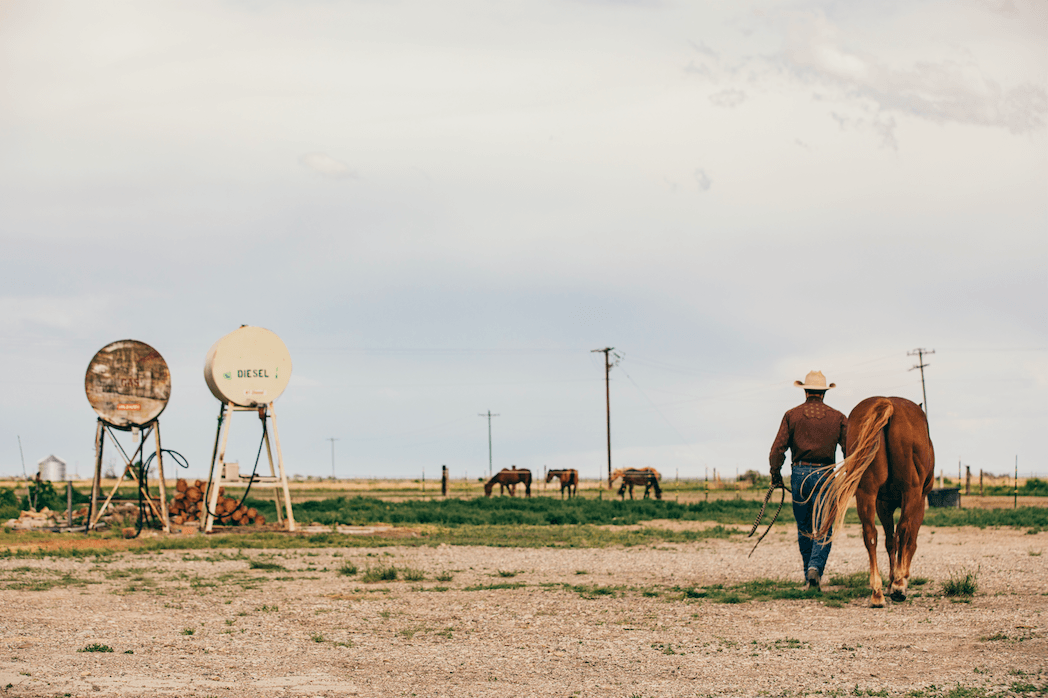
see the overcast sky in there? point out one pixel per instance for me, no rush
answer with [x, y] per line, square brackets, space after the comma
[443, 207]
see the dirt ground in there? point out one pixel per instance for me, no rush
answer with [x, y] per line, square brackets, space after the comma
[205, 623]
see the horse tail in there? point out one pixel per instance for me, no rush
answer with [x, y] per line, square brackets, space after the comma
[832, 503]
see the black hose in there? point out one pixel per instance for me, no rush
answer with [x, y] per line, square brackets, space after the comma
[254, 470]
[143, 482]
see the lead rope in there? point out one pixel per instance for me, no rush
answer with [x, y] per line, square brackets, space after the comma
[760, 515]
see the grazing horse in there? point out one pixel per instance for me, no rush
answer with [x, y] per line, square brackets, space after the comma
[890, 465]
[616, 474]
[569, 480]
[509, 478]
[649, 477]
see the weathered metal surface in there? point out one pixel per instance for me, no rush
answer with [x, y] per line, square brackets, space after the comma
[249, 366]
[128, 384]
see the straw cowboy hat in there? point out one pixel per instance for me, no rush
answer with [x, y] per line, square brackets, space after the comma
[814, 381]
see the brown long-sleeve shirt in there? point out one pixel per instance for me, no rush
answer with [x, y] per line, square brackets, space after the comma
[812, 432]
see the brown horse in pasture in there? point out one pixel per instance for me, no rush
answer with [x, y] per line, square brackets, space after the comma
[616, 474]
[509, 478]
[649, 477]
[890, 465]
[569, 480]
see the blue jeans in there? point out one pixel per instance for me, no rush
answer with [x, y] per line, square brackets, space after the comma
[807, 481]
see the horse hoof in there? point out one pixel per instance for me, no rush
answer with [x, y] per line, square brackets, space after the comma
[877, 600]
[898, 595]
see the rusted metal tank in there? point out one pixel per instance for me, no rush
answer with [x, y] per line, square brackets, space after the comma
[128, 384]
[249, 366]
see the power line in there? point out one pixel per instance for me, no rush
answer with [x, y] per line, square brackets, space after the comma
[406, 433]
[656, 408]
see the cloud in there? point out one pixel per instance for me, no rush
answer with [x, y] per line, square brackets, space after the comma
[702, 48]
[883, 126]
[20, 314]
[728, 98]
[940, 91]
[324, 164]
[703, 180]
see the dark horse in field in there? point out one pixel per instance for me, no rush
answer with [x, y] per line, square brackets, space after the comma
[569, 480]
[890, 465]
[649, 477]
[509, 478]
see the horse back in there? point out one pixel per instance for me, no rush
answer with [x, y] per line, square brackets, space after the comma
[910, 452]
[905, 458]
[519, 475]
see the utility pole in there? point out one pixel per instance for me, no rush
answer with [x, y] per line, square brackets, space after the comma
[489, 416]
[332, 456]
[919, 353]
[31, 492]
[607, 395]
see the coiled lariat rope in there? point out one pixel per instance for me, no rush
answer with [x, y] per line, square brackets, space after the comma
[760, 515]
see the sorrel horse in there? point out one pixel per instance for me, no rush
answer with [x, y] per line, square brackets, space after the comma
[649, 477]
[616, 474]
[509, 478]
[569, 480]
[890, 465]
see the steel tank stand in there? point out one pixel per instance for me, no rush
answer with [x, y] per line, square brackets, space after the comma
[94, 512]
[276, 480]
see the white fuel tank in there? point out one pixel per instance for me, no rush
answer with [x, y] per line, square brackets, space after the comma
[128, 384]
[249, 366]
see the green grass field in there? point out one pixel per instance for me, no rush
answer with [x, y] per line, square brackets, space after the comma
[548, 511]
[499, 521]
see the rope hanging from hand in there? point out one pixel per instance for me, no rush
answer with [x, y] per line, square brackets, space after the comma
[760, 514]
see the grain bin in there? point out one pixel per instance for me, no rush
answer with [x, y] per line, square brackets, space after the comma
[248, 367]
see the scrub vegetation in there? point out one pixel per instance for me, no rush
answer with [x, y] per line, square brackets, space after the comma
[549, 511]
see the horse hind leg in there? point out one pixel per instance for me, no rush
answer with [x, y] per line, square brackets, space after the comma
[869, 537]
[909, 523]
[886, 513]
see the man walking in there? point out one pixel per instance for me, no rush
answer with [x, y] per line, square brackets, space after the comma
[812, 432]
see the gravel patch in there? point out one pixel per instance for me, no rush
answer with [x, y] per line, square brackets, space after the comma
[519, 622]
